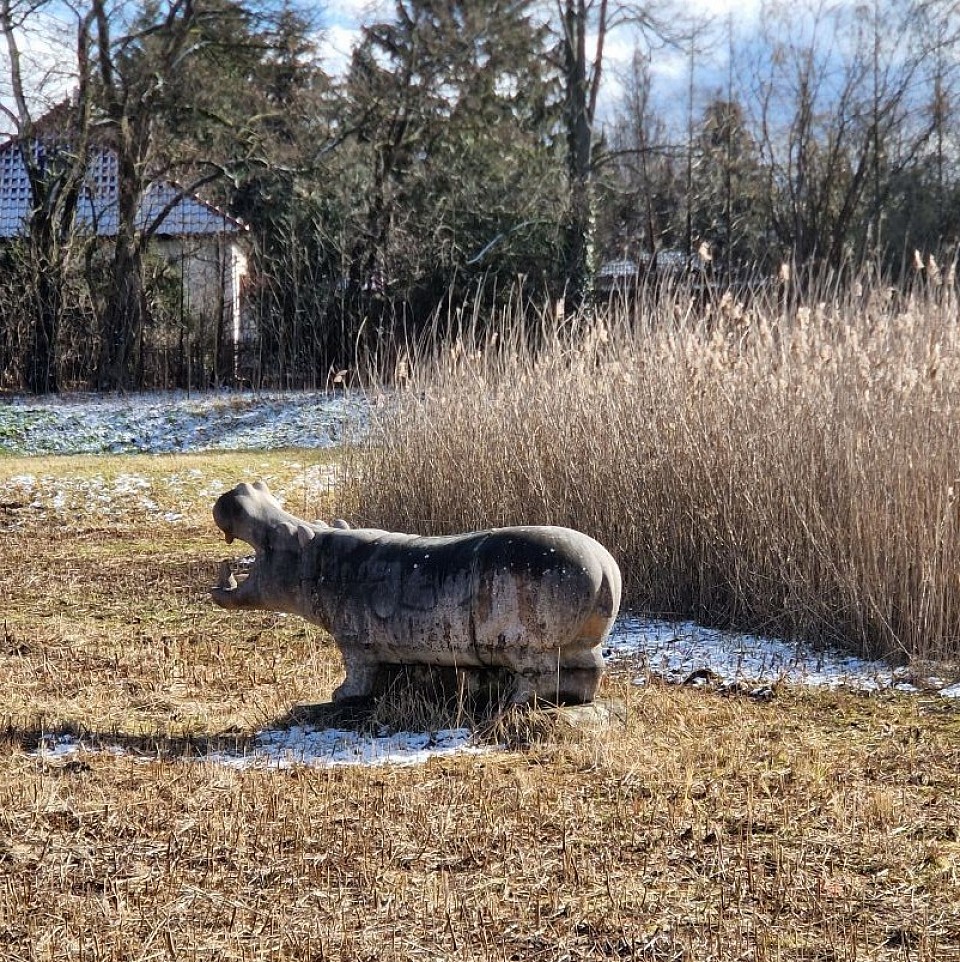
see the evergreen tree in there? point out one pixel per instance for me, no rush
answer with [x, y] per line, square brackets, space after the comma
[450, 102]
[728, 178]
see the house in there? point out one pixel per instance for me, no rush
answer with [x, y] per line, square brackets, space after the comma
[617, 275]
[201, 244]
[625, 274]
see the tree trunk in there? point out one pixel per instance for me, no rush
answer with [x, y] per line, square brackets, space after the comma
[125, 309]
[581, 81]
[41, 372]
[47, 298]
[123, 319]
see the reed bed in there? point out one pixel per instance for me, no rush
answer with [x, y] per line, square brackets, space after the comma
[771, 466]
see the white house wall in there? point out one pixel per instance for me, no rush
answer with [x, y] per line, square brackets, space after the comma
[212, 272]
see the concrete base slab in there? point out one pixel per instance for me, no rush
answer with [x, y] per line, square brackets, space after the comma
[597, 716]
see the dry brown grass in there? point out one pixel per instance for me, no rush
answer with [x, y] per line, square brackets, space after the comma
[788, 470]
[812, 827]
[105, 623]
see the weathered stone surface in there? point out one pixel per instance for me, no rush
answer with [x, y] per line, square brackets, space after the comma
[598, 716]
[537, 601]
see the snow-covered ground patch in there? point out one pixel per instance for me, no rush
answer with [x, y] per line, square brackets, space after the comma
[683, 652]
[298, 746]
[167, 499]
[336, 746]
[162, 423]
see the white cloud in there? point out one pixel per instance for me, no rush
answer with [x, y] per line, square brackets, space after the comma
[344, 22]
[337, 46]
[745, 11]
[353, 13]
[618, 51]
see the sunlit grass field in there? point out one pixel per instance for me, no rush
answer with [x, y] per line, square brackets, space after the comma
[815, 826]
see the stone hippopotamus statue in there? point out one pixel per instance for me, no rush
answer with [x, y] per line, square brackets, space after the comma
[536, 601]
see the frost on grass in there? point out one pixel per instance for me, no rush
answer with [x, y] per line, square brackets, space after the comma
[167, 498]
[162, 423]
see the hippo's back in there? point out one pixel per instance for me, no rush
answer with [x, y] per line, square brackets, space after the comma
[479, 596]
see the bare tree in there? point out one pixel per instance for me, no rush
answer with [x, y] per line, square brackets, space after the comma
[584, 31]
[54, 158]
[132, 69]
[141, 66]
[837, 125]
[582, 76]
[938, 24]
[638, 192]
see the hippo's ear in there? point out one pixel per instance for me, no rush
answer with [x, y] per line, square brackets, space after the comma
[341, 524]
[305, 534]
[288, 528]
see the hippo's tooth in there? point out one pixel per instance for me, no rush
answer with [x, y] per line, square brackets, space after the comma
[226, 581]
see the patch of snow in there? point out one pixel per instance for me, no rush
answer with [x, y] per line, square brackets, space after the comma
[325, 747]
[129, 484]
[27, 482]
[168, 498]
[302, 746]
[686, 652]
[57, 747]
[175, 422]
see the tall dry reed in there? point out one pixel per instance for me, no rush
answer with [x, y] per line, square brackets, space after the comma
[768, 466]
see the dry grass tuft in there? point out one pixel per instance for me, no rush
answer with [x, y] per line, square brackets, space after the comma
[420, 699]
[767, 466]
[813, 826]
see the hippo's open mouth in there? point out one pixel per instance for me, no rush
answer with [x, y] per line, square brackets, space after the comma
[249, 513]
[237, 579]
[228, 592]
[238, 515]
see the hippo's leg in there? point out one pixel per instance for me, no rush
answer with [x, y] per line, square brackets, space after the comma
[361, 673]
[524, 690]
[567, 677]
[580, 672]
[536, 679]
